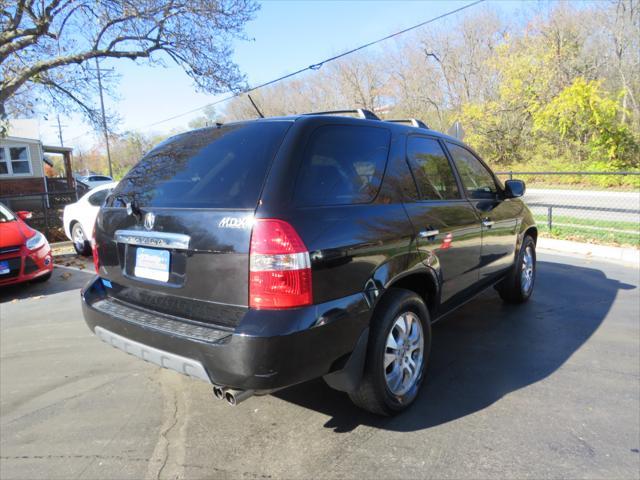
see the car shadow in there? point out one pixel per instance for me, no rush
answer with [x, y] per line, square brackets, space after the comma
[487, 349]
[62, 280]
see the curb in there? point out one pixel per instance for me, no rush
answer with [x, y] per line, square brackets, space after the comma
[626, 255]
[64, 267]
[66, 243]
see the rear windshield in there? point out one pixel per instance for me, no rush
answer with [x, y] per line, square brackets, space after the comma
[209, 168]
[342, 165]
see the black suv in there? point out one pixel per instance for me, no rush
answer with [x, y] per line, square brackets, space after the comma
[261, 254]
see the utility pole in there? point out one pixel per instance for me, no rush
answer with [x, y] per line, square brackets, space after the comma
[60, 131]
[104, 118]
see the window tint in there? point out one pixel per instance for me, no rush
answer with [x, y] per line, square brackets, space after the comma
[211, 167]
[99, 178]
[431, 169]
[476, 179]
[342, 165]
[98, 198]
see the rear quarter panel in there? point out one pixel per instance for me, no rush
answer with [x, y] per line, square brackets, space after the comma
[353, 248]
[348, 246]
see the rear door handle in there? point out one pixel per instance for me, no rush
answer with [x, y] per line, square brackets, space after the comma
[487, 222]
[428, 233]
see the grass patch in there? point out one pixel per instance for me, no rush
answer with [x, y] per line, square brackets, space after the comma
[561, 174]
[616, 224]
[609, 232]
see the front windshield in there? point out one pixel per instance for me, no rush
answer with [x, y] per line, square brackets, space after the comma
[5, 214]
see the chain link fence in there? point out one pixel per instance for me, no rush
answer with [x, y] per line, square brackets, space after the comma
[584, 206]
[46, 209]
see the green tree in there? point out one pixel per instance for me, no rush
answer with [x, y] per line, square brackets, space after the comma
[584, 119]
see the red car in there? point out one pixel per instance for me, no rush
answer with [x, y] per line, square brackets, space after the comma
[25, 253]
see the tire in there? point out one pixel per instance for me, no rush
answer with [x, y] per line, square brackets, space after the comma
[42, 278]
[379, 391]
[79, 239]
[517, 287]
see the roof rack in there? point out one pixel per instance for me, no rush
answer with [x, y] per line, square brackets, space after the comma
[412, 121]
[362, 113]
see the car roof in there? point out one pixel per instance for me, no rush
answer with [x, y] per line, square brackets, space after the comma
[342, 120]
[104, 186]
[99, 188]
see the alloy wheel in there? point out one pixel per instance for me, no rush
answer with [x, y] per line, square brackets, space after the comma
[404, 353]
[527, 272]
[78, 237]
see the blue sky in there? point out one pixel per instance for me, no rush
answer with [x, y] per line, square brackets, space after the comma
[286, 36]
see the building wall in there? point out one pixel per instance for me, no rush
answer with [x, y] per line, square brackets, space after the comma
[35, 155]
[23, 184]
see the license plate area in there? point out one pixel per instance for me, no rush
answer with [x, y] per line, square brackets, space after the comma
[4, 267]
[152, 264]
[177, 267]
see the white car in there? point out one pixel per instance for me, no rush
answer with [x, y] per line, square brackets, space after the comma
[93, 181]
[78, 218]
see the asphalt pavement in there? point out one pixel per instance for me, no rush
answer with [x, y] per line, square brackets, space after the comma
[586, 204]
[550, 389]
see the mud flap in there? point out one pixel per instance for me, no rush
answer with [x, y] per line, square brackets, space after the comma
[348, 378]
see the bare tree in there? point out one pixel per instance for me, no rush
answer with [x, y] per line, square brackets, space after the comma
[619, 24]
[209, 117]
[360, 81]
[48, 49]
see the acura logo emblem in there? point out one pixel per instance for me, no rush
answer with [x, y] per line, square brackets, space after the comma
[149, 220]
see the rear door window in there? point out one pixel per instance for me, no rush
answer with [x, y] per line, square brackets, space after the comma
[221, 167]
[431, 169]
[342, 164]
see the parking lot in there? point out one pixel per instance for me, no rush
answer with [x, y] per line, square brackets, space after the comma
[546, 390]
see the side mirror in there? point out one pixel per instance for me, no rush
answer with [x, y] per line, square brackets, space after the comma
[514, 188]
[24, 215]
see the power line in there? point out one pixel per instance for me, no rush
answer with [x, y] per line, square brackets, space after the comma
[317, 66]
[314, 66]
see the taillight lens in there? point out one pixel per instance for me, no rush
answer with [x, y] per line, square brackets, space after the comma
[94, 252]
[279, 267]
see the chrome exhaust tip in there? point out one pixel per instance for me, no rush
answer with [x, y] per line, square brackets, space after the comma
[234, 397]
[218, 392]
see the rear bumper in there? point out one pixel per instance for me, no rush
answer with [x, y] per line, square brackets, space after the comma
[268, 350]
[180, 364]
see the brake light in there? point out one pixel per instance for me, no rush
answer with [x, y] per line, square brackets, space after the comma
[94, 251]
[279, 267]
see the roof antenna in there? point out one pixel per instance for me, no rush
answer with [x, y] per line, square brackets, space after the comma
[255, 106]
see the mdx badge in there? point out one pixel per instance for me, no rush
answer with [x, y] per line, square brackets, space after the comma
[236, 222]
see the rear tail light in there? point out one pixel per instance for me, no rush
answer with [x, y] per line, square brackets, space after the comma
[94, 251]
[279, 267]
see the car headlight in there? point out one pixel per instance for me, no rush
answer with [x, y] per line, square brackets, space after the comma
[36, 241]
